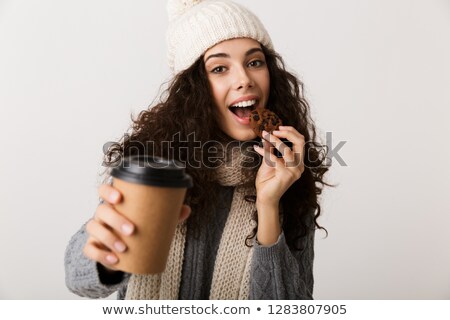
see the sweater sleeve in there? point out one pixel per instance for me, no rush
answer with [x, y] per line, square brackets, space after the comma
[86, 277]
[277, 273]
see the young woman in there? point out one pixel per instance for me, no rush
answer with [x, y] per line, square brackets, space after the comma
[247, 229]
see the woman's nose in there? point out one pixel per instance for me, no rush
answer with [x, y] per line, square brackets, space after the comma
[242, 79]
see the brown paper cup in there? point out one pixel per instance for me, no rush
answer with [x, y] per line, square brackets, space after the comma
[155, 212]
[153, 191]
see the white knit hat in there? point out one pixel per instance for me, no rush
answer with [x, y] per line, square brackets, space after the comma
[197, 25]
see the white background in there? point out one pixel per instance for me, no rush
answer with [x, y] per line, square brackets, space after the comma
[376, 73]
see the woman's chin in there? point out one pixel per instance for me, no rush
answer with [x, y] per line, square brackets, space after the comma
[242, 136]
[239, 133]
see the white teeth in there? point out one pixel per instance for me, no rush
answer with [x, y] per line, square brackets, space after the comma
[243, 104]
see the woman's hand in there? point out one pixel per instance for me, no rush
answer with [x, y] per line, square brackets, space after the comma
[107, 224]
[276, 175]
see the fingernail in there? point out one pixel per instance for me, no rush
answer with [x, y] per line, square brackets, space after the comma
[276, 131]
[255, 146]
[111, 259]
[113, 196]
[120, 246]
[265, 133]
[127, 229]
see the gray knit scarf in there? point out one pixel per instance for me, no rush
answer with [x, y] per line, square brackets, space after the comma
[231, 275]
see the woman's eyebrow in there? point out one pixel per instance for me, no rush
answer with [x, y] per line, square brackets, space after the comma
[253, 50]
[225, 55]
[217, 55]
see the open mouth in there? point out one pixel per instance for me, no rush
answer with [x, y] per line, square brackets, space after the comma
[244, 108]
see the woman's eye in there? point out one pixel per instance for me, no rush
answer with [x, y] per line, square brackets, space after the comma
[218, 69]
[256, 63]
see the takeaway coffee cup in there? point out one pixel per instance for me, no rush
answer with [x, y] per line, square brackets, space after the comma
[153, 190]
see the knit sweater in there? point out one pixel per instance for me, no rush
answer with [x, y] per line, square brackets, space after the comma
[276, 271]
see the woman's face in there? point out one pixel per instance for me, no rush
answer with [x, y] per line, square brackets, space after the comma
[240, 82]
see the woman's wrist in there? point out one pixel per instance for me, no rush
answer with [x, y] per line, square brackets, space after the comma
[267, 204]
[269, 228]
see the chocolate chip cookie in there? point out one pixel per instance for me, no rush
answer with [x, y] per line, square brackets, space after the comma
[264, 119]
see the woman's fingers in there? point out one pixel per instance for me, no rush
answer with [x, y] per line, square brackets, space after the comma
[268, 157]
[292, 159]
[290, 133]
[110, 217]
[109, 194]
[105, 236]
[95, 251]
[271, 159]
[108, 225]
[286, 152]
[106, 228]
[298, 144]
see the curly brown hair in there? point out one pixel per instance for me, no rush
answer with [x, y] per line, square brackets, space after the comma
[186, 116]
